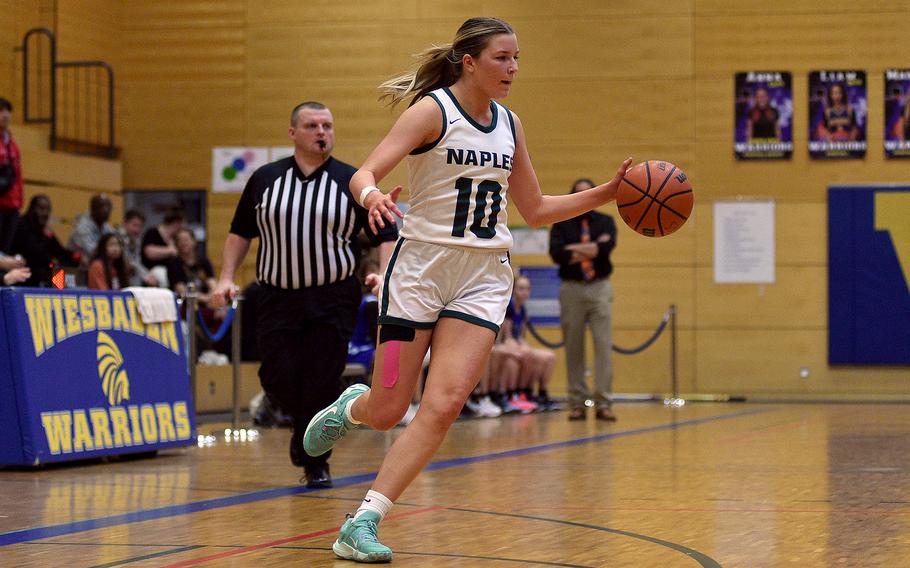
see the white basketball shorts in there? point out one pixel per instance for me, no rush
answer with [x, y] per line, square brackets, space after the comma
[424, 282]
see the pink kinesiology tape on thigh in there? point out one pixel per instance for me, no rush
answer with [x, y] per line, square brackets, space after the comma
[390, 358]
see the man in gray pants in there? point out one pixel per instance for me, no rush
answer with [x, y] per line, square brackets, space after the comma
[581, 247]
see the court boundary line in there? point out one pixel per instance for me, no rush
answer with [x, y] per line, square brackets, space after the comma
[281, 541]
[37, 533]
[149, 556]
[703, 559]
[523, 561]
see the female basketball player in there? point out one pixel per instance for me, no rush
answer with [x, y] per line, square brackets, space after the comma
[449, 280]
[839, 122]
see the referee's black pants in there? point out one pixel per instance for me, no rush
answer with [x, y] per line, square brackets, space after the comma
[303, 344]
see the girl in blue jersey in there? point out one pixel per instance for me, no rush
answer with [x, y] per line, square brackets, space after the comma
[449, 280]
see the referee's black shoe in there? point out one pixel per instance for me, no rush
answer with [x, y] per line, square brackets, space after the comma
[317, 476]
[296, 449]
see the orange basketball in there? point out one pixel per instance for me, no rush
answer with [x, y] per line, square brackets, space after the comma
[654, 198]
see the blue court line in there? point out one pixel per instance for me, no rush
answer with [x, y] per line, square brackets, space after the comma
[24, 535]
[579, 441]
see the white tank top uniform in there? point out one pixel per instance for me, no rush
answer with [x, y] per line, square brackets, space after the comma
[452, 259]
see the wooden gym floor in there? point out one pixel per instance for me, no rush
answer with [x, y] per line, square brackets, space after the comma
[705, 485]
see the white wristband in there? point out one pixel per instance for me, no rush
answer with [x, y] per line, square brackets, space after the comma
[366, 191]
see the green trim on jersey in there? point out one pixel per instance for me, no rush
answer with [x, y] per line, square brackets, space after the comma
[431, 145]
[474, 123]
[383, 320]
[388, 275]
[470, 319]
[511, 124]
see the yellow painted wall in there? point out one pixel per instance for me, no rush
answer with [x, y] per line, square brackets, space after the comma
[68, 180]
[18, 17]
[599, 81]
[755, 338]
[85, 29]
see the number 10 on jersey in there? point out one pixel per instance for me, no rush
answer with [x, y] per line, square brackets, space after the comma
[485, 189]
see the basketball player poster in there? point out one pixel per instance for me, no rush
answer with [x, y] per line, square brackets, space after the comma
[837, 114]
[764, 109]
[897, 113]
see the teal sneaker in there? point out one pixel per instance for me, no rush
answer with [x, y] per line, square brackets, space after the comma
[357, 540]
[330, 425]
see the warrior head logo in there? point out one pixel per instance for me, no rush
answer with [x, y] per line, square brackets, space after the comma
[114, 382]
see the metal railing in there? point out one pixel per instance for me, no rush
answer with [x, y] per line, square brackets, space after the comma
[43, 77]
[233, 322]
[669, 317]
[75, 97]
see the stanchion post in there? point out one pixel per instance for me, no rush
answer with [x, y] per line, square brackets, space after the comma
[236, 358]
[674, 401]
[673, 352]
[191, 338]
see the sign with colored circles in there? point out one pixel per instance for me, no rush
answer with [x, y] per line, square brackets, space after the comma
[280, 152]
[232, 167]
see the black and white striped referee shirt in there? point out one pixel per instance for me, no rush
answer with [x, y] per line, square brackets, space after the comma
[307, 225]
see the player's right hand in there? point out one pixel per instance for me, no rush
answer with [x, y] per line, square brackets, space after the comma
[382, 207]
[374, 283]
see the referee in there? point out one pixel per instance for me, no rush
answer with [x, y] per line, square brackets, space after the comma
[307, 221]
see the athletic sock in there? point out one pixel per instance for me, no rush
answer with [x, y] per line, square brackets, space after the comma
[375, 502]
[347, 413]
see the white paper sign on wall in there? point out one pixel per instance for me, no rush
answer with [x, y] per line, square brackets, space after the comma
[744, 242]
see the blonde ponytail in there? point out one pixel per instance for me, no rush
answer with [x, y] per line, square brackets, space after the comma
[440, 65]
[434, 69]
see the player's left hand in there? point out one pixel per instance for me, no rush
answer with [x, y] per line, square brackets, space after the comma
[374, 282]
[382, 208]
[611, 186]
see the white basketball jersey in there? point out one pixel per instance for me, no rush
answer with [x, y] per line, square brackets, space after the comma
[458, 183]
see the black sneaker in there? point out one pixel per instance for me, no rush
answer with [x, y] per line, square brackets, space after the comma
[317, 476]
[296, 448]
[502, 401]
[546, 404]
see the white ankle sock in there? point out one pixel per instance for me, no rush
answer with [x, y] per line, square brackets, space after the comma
[375, 502]
[347, 412]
